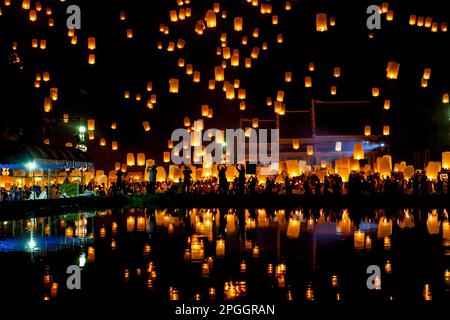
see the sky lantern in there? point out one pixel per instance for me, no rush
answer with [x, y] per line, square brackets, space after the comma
[130, 159]
[33, 15]
[173, 16]
[219, 73]
[205, 110]
[129, 33]
[238, 23]
[255, 33]
[34, 43]
[424, 83]
[212, 84]
[308, 82]
[445, 98]
[255, 53]
[255, 123]
[244, 40]
[392, 70]
[386, 130]
[181, 62]
[146, 126]
[367, 131]
[74, 40]
[446, 160]
[321, 22]
[333, 90]
[187, 122]
[138, 97]
[171, 46]
[166, 157]
[295, 144]
[338, 146]
[196, 78]
[181, 43]
[91, 43]
[37, 84]
[54, 94]
[216, 7]
[26, 4]
[337, 72]
[140, 159]
[91, 135]
[384, 7]
[71, 32]
[43, 44]
[229, 91]
[310, 150]
[390, 15]
[287, 6]
[280, 38]
[114, 125]
[47, 104]
[173, 85]
[427, 73]
[235, 60]
[210, 18]
[149, 86]
[242, 94]
[210, 113]
[269, 101]
[92, 59]
[226, 53]
[420, 21]
[188, 12]
[375, 92]
[114, 145]
[358, 151]
[280, 96]
[124, 167]
[153, 98]
[248, 63]
[311, 66]
[122, 16]
[288, 76]
[102, 142]
[91, 124]
[189, 69]
[412, 20]
[274, 20]
[66, 118]
[428, 22]
[332, 21]
[182, 14]
[387, 104]
[435, 27]
[242, 106]
[443, 26]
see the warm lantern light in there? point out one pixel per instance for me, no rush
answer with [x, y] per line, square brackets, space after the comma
[45, 77]
[196, 78]
[333, 90]
[91, 43]
[92, 59]
[427, 74]
[392, 70]
[114, 125]
[412, 19]
[321, 22]
[54, 94]
[242, 106]
[65, 118]
[91, 124]
[311, 66]
[47, 104]
[445, 98]
[129, 33]
[146, 126]
[338, 146]
[390, 15]
[387, 104]
[288, 76]
[358, 151]
[446, 160]
[238, 24]
[173, 86]
[386, 130]
[310, 150]
[255, 53]
[210, 18]
[114, 146]
[337, 72]
[32, 15]
[367, 131]
[375, 92]
[102, 142]
[443, 26]
[424, 83]
[140, 159]
[308, 82]
[295, 144]
[166, 157]
[43, 44]
[255, 123]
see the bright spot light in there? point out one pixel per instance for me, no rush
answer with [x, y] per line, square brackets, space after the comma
[31, 244]
[382, 145]
[82, 129]
[82, 260]
[31, 165]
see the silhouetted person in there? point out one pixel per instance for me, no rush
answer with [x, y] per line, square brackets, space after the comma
[252, 182]
[241, 179]
[187, 178]
[439, 185]
[415, 184]
[223, 182]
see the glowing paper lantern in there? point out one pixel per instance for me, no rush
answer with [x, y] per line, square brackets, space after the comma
[333, 90]
[43, 44]
[102, 142]
[114, 125]
[390, 15]
[141, 159]
[311, 66]
[166, 157]
[210, 18]
[392, 70]
[427, 74]
[310, 150]
[293, 229]
[91, 124]
[130, 159]
[321, 22]
[386, 130]
[54, 94]
[308, 82]
[173, 86]
[295, 144]
[288, 76]
[412, 20]
[114, 145]
[146, 126]
[47, 104]
[65, 118]
[92, 59]
[91, 43]
[338, 146]
[337, 72]
[375, 92]
[358, 151]
[424, 83]
[255, 53]
[255, 123]
[238, 24]
[445, 98]
[367, 131]
[387, 104]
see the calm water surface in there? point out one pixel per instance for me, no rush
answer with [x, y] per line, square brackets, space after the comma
[229, 254]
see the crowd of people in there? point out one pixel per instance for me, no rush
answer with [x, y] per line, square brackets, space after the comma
[309, 183]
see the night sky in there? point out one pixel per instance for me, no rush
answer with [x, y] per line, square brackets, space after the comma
[417, 117]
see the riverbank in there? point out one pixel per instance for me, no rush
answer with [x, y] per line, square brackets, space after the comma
[46, 207]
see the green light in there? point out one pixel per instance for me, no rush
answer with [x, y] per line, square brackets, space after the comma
[82, 129]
